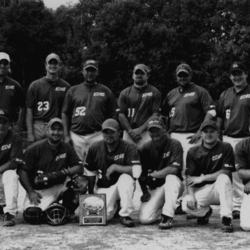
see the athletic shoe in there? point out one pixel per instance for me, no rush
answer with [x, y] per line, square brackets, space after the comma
[205, 219]
[8, 220]
[236, 214]
[127, 221]
[166, 222]
[226, 225]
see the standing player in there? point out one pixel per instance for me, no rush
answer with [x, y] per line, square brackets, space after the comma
[137, 104]
[242, 160]
[161, 179]
[187, 106]
[113, 160]
[85, 108]
[47, 165]
[208, 177]
[45, 98]
[11, 93]
[233, 117]
[11, 155]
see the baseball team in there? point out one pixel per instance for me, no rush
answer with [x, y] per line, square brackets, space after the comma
[184, 151]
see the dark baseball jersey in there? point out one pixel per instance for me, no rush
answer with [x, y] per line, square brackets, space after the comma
[242, 155]
[154, 159]
[11, 149]
[138, 104]
[100, 159]
[11, 96]
[46, 98]
[234, 109]
[201, 160]
[88, 106]
[40, 156]
[187, 108]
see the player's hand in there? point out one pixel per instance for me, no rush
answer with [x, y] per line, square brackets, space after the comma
[193, 180]
[247, 188]
[134, 136]
[195, 138]
[145, 197]
[35, 198]
[192, 203]
[110, 170]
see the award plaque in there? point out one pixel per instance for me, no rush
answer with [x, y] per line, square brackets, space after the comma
[92, 209]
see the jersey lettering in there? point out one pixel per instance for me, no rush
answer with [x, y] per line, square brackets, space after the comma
[10, 87]
[216, 157]
[189, 94]
[60, 89]
[245, 96]
[147, 94]
[166, 154]
[131, 112]
[43, 106]
[4, 147]
[228, 111]
[99, 94]
[80, 111]
[61, 156]
[117, 157]
[172, 112]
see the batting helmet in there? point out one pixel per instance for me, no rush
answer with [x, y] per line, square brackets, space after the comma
[33, 215]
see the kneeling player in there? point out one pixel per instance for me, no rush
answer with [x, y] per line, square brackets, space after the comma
[112, 160]
[161, 179]
[209, 174]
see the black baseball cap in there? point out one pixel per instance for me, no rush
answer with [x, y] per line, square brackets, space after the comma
[209, 123]
[155, 122]
[111, 124]
[4, 114]
[184, 68]
[90, 64]
[238, 66]
[141, 67]
[55, 120]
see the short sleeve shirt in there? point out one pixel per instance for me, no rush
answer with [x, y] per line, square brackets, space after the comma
[40, 156]
[154, 159]
[45, 98]
[234, 109]
[201, 160]
[187, 108]
[88, 106]
[139, 104]
[99, 159]
[11, 96]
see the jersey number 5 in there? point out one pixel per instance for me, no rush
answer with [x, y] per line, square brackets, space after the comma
[228, 113]
[43, 106]
[80, 111]
[172, 112]
[131, 112]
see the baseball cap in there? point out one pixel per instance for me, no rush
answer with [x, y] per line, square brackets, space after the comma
[54, 120]
[183, 68]
[155, 122]
[4, 114]
[4, 56]
[209, 123]
[238, 66]
[90, 64]
[53, 56]
[111, 124]
[142, 67]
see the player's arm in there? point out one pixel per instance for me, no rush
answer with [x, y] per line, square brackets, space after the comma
[65, 120]
[164, 172]
[20, 120]
[119, 169]
[30, 128]
[192, 202]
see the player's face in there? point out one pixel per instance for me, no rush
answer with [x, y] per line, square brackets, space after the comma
[4, 67]
[238, 78]
[4, 126]
[55, 133]
[52, 67]
[90, 74]
[140, 77]
[156, 134]
[110, 136]
[209, 135]
[183, 78]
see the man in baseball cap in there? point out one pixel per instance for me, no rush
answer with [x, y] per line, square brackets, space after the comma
[113, 160]
[4, 56]
[238, 66]
[184, 68]
[53, 56]
[90, 64]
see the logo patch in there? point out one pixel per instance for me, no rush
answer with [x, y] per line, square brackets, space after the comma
[166, 154]
[10, 87]
[117, 157]
[61, 156]
[4, 147]
[216, 157]
[60, 89]
[189, 94]
[147, 94]
[99, 94]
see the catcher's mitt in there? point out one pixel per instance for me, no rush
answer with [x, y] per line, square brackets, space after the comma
[33, 215]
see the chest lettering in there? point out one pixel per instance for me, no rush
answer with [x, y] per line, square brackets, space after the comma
[147, 94]
[62, 156]
[10, 87]
[60, 89]
[4, 147]
[99, 94]
[189, 94]
[217, 157]
[166, 154]
[245, 96]
[117, 157]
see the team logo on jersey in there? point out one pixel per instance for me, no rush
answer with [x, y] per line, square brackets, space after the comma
[117, 157]
[147, 94]
[61, 156]
[216, 157]
[4, 147]
[228, 166]
[99, 94]
[176, 164]
[10, 87]
[60, 89]
[166, 154]
[19, 161]
[189, 94]
[245, 96]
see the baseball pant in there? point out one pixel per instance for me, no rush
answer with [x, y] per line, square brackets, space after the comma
[145, 137]
[238, 186]
[39, 130]
[162, 201]
[82, 143]
[49, 196]
[123, 190]
[9, 184]
[218, 193]
[244, 213]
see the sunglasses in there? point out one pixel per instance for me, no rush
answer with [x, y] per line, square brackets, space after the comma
[4, 62]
